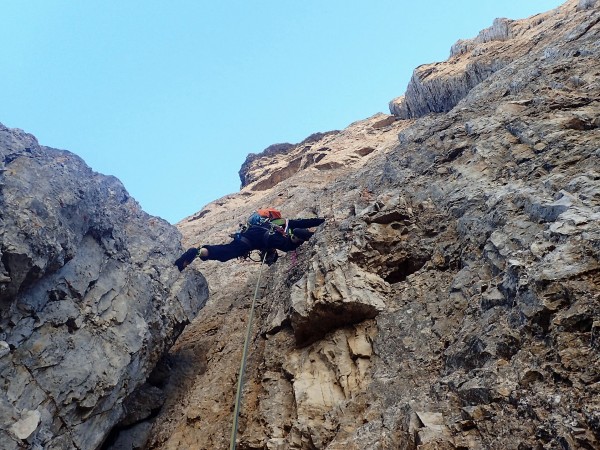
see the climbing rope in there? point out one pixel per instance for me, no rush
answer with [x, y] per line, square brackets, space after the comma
[238, 396]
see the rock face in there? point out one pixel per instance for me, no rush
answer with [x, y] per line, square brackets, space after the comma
[452, 298]
[89, 299]
[278, 162]
[438, 87]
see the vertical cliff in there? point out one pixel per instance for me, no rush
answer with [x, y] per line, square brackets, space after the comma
[89, 300]
[451, 300]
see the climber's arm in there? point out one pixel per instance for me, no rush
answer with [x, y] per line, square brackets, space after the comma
[305, 223]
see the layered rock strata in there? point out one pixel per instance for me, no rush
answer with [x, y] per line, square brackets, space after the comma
[439, 87]
[89, 298]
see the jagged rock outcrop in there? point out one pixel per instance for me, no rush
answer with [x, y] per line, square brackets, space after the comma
[89, 299]
[279, 162]
[275, 149]
[439, 87]
[451, 300]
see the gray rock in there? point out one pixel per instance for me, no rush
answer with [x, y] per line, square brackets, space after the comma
[586, 4]
[472, 276]
[89, 296]
[136, 438]
[450, 300]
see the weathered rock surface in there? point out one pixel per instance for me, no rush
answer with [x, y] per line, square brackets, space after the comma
[89, 299]
[439, 87]
[452, 298]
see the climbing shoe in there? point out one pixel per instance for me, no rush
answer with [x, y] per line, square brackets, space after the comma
[184, 260]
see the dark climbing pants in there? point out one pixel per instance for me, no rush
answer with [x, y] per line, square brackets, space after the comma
[259, 238]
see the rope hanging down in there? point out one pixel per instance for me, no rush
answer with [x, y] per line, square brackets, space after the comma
[238, 396]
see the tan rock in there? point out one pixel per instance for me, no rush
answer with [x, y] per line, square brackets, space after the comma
[449, 299]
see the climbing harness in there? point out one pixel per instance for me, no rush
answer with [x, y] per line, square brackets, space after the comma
[238, 396]
[268, 256]
[252, 255]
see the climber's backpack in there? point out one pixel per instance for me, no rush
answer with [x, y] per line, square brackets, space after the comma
[263, 216]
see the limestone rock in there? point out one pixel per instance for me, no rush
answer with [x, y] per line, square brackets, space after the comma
[89, 299]
[281, 161]
[433, 433]
[439, 87]
[450, 300]
[342, 297]
[26, 425]
[586, 4]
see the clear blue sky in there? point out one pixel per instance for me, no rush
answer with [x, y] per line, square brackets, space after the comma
[170, 96]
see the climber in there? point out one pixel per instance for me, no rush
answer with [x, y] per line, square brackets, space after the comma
[265, 230]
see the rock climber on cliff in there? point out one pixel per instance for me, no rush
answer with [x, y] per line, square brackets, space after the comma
[265, 230]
